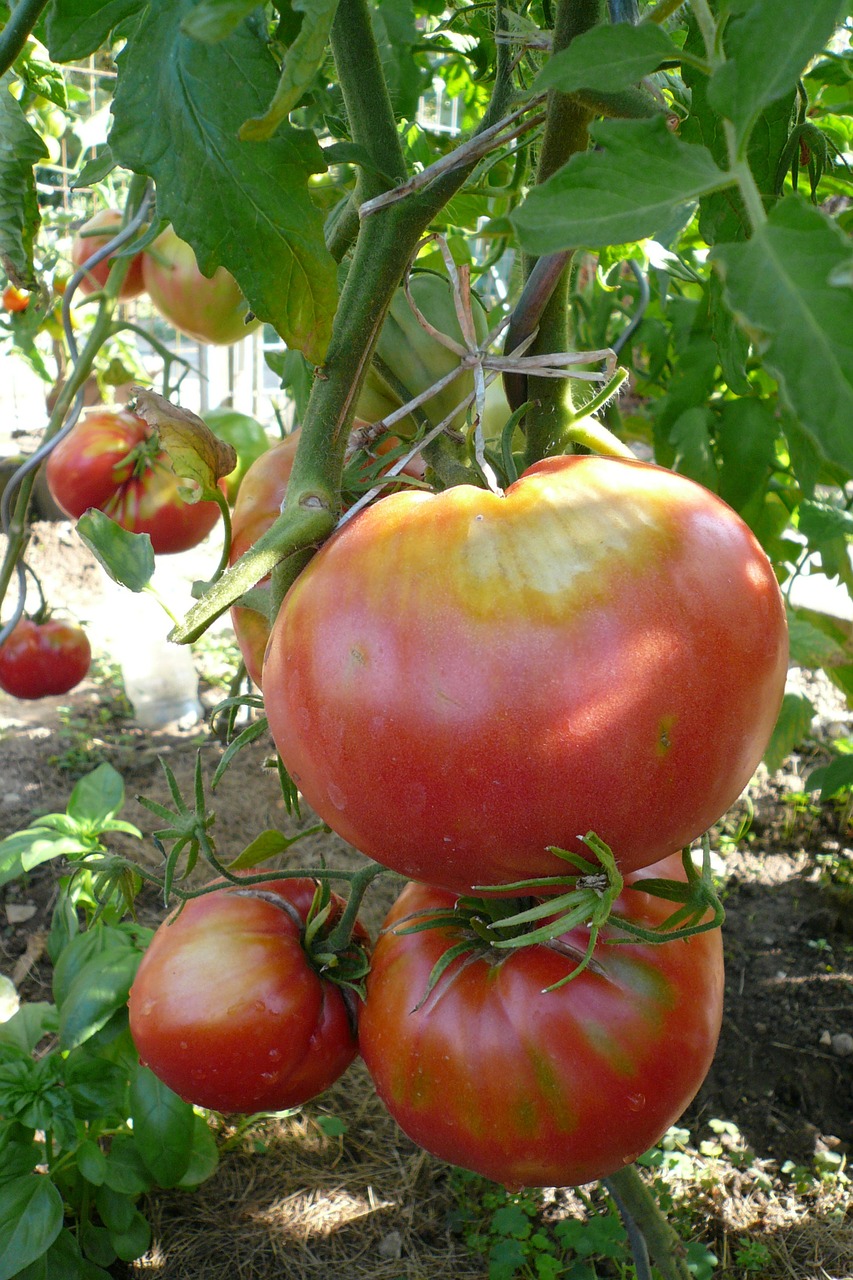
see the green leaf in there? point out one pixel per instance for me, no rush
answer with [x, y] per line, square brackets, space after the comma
[116, 1210]
[95, 1085]
[76, 28]
[264, 846]
[24, 850]
[301, 64]
[691, 441]
[810, 646]
[98, 991]
[793, 725]
[204, 1155]
[821, 521]
[831, 778]
[746, 436]
[29, 1025]
[91, 1162]
[132, 1242]
[63, 1259]
[213, 20]
[96, 169]
[30, 1220]
[623, 193]
[97, 797]
[607, 59]
[767, 46]
[127, 557]
[163, 1126]
[242, 205]
[779, 287]
[126, 1170]
[98, 944]
[20, 149]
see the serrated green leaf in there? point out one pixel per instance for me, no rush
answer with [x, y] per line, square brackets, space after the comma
[607, 59]
[30, 1220]
[625, 192]
[767, 47]
[127, 557]
[777, 285]
[746, 436]
[163, 1127]
[76, 28]
[242, 205]
[301, 64]
[821, 521]
[793, 725]
[831, 778]
[20, 149]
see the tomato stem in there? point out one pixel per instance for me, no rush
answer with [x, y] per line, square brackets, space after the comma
[634, 1200]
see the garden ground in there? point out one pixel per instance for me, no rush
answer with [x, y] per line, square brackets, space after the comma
[756, 1168]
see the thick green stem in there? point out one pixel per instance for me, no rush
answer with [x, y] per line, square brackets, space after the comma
[566, 132]
[342, 933]
[665, 1248]
[14, 35]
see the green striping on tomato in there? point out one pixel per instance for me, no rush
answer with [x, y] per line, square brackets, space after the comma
[458, 681]
[532, 1087]
[85, 245]
[110, 460]
[418, 359]
[207, 308]
[43, 659]
[227, 1009]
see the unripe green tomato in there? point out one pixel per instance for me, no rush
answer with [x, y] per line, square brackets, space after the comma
[419, 360]
[248, 437]
[207, 308]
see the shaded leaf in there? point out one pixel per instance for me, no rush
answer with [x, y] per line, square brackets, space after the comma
[76, 28]
[30, 1220]
[213, 20]
[98, 991]
[163, 1127]
[245, 206]
[811, 646]
[20, 149]
[625, 192]
[301, 63]
[607, 59]
[778, 286]
[792, 727]
[831, 778]
[746, 436]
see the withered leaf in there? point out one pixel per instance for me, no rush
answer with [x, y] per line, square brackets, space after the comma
[193, 450]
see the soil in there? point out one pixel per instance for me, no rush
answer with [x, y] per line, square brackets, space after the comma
[367, 1203]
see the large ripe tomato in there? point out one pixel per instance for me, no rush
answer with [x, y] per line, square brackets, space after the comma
[207, 308]
[227, 1010]
[458, 681]
[109, 460]
[42, 659]
[532, 1087]
[85, 245]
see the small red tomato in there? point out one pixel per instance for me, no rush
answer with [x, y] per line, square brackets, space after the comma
[40, 660]
[15, 299]
[532, 1087]
[85, 246]
[108, 460]
[227, 1008]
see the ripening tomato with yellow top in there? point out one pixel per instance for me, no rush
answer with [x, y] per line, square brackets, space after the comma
[458, 681]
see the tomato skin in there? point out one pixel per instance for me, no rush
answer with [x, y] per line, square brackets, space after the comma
[84, 246]
[14, 299]
[90, 468]
[603, 648]
[226, 1009]
[206, 308]
[38, 660]
[536, 1088]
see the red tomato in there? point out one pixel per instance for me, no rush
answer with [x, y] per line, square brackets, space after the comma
[85, 246]
[207, 308]
[227, 1010]
[42, 659]
[532, 1087]
[14, 299]
[108, 461]
[458, 681]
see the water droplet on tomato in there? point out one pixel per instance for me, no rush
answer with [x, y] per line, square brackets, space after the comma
[274, 1055]
[636, 1101]
[145, 1008]
[337, 796]
[183, 1045]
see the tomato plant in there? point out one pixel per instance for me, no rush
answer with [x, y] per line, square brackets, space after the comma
[86, 244]
[111, 460]
[207, 308]
[248, 437]
[603, 648]
[228, 1009]
[43, 658]
[532, 1087]
[14, 299]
